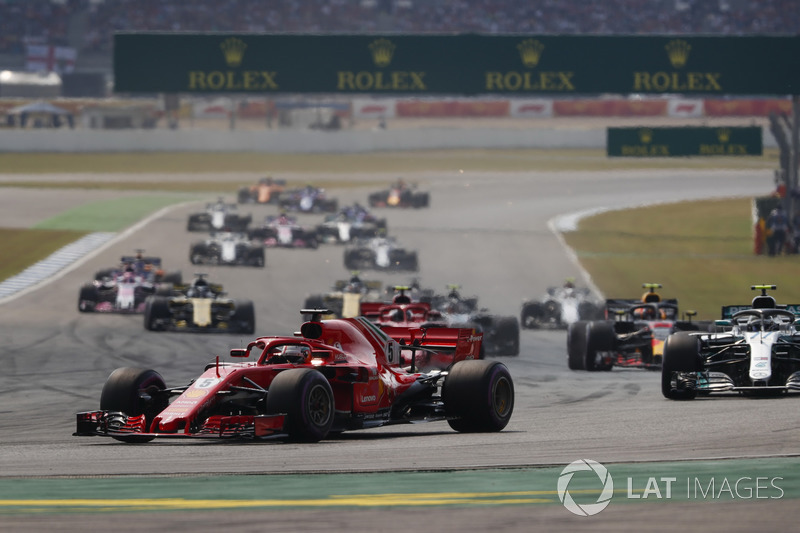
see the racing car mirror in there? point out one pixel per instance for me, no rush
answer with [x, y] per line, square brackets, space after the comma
[254, 348]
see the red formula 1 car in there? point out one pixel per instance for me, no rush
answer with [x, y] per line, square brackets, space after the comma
[334, 375]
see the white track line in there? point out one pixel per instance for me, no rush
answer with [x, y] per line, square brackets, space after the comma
[68, 258]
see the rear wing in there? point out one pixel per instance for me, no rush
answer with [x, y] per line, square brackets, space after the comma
[615, 305]
[729, 310]
[435, 347]
[372, 310]
[155, 261]
[372, 285]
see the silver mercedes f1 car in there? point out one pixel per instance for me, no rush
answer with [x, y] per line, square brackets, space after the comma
[753, 350]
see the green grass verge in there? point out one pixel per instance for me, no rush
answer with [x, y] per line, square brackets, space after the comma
[701, 252]
[110, 215]
[24, 247]
[396, 162]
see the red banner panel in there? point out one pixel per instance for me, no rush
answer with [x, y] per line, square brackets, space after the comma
[610, 108]
[746, 107]
[452, 108]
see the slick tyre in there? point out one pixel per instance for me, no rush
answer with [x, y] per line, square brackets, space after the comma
[507, 329]
[576, 345]
[134, 391]
[198, 254]
[245, 317]
[88, 298]
[306, 398]
[532, 315]
[600, 337]
[478, 396]
[155, 309]
[680, 356]
[257, 258]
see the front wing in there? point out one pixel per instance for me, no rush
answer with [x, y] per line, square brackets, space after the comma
[120, 426]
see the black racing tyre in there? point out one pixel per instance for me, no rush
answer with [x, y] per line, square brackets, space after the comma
[421, 200]
[680, 355]
[155, 308]
[194, 224]
[600, 337]
[532, 315]
[306, 398]
[88, 298]
[478, 395]
[331, 206]
[198, 253]
[134, 391]
[164, 289]
[315, 301]
[245, 315]
[257, 258]
[175, 278]
[589, 311]
[100, 275]
[507, 335]
[411, 262]
[244, 195]
[576, 345]
[359, 259]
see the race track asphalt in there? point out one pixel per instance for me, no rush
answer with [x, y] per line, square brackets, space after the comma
[487, 232]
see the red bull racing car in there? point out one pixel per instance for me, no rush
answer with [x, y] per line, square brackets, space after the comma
[334, 375]
[632, 334]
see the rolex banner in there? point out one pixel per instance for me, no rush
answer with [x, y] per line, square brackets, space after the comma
[684, 141]
[522, 66]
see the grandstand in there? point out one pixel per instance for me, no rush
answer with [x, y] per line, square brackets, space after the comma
[88, 25]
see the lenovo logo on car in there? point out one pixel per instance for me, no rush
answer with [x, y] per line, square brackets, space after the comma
[369, 399]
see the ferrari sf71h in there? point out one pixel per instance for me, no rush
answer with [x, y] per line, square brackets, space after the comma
[500, 333]
[332, 376]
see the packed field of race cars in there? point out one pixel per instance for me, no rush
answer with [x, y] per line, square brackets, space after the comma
[370, 353]
[366, 355]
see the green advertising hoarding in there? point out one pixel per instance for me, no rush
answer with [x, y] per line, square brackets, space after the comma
[684, 141]
[468, 64]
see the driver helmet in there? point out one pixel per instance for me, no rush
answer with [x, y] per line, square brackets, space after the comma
[200, 287]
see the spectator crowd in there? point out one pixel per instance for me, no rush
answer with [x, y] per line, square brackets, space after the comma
[89, 25]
